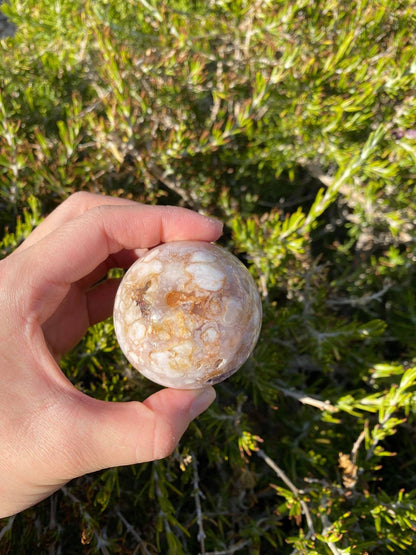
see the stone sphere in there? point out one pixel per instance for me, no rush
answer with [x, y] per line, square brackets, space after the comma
[187, 314]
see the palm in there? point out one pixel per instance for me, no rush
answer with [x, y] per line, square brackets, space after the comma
[68, 324]
[82, 307]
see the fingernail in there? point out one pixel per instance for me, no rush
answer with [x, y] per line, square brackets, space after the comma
[215, 221]
[140, 252]
[202, 401]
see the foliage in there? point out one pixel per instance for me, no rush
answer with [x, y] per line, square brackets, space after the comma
[293, 122]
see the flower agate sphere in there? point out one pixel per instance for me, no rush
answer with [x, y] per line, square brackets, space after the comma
[187, 314]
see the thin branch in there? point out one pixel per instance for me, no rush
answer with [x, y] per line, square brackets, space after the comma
[197, 493]
[326, 527]
[130, 529]
[101, 539]
[356, 446]
[233, 549]
[362, 301]
[170, 182]
[307, 400]
[292, 488]
[8, 527]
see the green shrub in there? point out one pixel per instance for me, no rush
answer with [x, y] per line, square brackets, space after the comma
[293, 122]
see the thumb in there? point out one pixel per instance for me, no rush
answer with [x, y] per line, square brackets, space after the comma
[116, 434]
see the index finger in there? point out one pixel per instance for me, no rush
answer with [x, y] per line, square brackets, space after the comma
[75, 249]
[75, 205]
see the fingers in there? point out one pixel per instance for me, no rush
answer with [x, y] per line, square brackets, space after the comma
[123, 259]
[73, 206]
[174, 406]
[114, 434]
[76, 248]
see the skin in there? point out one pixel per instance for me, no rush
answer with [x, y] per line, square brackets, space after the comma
[50, 432]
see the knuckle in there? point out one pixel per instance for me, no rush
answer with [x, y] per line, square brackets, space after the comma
[164, 438]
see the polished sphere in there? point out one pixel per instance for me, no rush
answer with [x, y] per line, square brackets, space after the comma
[187, 314]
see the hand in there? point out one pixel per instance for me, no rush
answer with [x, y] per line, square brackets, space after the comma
[49, 431]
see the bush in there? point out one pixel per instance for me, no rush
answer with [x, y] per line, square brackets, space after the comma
[294, 123]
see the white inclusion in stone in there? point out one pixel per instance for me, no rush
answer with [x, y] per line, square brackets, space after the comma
[160, 359]
[176, 273]
[137, 331]
[185, 348]
[232, 312]
[133, 357]
[206, 276]
[130, 315]
[202, 256]
[150, 256]
[209, 335]
[153, 266]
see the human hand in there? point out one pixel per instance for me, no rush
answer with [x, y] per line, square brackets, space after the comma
[50, 432]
